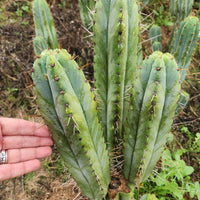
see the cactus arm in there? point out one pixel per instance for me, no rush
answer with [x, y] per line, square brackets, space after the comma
[171, 98]
[81, 166]
[131, 126]
[147, 104]
[39, 45]
[44, 25]
[116, 33]
[101, 19]
[76, 166]
[150, 115]
[132, 155]
[82, 109]
[184, 43]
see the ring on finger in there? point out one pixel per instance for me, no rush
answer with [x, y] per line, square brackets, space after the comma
[3, 157]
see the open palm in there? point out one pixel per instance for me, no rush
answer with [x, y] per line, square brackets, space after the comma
[25, 143]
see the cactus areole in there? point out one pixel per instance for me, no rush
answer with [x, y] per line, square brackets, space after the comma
[115, 132]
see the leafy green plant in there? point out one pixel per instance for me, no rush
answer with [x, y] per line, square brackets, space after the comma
[173, 181]
[62, 4]
[22, 8]
[193, 144]
[161, 17]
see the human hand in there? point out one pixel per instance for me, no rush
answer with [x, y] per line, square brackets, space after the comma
[25, 142]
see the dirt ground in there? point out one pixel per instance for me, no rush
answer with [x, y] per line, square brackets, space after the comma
[17, 98]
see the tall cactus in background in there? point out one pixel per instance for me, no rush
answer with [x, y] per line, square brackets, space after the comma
[44, 25]
[131, 104]
[183, 43]
[180, 9]
[155, 37]
[86, 8]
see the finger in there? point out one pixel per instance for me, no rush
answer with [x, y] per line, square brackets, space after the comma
[1, 139]
[16, 142]
[9, 171]
[10, 126]
[21, 155]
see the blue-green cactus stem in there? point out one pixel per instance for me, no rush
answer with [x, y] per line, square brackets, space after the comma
[181, 9]
[101, 19]
[155, 37]
[39, 45]
[86, 8]
[154, 90]
[67, 104]
[155, 34]
[184, 42]
[172, 94]
[157, 46]
[115, 38]
[182, 102]
[44, 25]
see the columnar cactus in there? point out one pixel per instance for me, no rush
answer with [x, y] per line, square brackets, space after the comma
[86, 12]
[183, 43]
[44, 25]
[66, 103]
[180, 8]
[116, 38]
[155, 37]
[154, 98]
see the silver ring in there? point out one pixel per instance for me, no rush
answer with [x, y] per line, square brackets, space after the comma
[3, 157]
